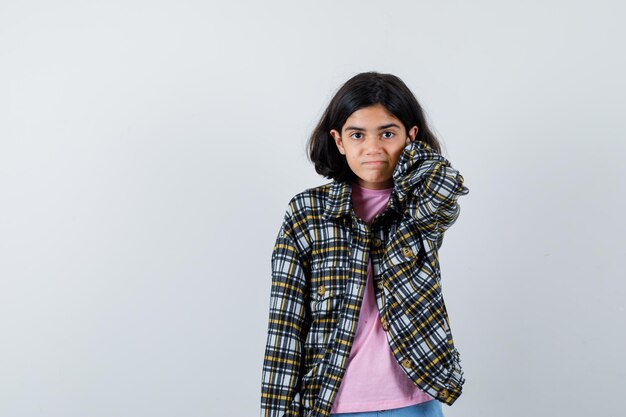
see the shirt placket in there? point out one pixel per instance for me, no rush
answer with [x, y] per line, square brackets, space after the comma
[359, 244]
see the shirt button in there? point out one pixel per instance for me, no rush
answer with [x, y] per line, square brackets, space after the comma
[321, 290]
[385, 324]
[443, 394]
[407, 363]
[376, 242]
[406, 251]
[380, 284]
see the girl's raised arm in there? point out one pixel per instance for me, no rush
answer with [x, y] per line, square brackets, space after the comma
[431, 187]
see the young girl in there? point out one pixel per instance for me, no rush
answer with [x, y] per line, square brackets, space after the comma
[357, 322]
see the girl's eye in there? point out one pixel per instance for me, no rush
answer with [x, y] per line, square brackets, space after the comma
[388, 135]
[357, 134]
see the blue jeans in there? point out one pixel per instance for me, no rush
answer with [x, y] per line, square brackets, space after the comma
[430, 408]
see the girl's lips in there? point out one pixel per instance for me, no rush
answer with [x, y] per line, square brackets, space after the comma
[374, 163]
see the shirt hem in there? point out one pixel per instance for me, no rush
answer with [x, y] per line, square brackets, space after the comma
[379, 406]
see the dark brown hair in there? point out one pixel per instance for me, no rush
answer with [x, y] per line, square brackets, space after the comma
[363, 90]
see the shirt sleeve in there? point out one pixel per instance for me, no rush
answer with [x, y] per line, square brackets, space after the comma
[431, 187]
[436, 206]
[287, 328]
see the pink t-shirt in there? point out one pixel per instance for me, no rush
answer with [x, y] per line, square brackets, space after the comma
[373, 379]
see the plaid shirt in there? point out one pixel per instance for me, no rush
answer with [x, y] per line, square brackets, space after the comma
[319, 270]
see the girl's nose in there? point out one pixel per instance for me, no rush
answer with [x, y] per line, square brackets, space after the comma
[373, 144]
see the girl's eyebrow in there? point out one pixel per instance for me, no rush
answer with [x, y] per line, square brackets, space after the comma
[360, 129]
[383, 127]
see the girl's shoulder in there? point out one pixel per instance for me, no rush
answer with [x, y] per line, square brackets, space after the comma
[314, 206]
[313, 199]
[305, 213]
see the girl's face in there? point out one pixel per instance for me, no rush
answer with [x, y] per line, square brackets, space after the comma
[372, 139]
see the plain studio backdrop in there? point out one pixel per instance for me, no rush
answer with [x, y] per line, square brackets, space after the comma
[148, 151]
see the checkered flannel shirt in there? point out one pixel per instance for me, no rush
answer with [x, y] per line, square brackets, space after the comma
[319, 270]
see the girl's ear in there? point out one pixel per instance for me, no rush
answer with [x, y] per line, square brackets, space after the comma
[337, 137]
[411, 134]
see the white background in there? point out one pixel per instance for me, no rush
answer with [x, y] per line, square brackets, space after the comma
[148, 151]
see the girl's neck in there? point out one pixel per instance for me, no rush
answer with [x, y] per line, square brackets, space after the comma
[372, 190]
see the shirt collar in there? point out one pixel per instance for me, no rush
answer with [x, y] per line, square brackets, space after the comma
[340, 200]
